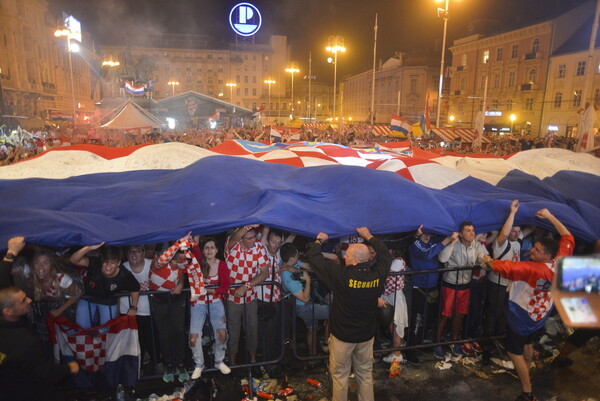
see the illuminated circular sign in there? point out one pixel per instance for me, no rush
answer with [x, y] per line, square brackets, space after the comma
[245, 19]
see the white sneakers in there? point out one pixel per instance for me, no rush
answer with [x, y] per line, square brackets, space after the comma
[197, 373]
[223, 368]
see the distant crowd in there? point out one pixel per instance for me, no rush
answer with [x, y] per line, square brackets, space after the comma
[24, 144]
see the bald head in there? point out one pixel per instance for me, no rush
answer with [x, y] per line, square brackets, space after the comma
[357, 253]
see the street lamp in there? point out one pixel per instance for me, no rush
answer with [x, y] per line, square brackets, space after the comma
[443, 13]
[63, 31]
[269, 82]
[335, 45]
[173, 84]
[292, 69]
[451, 118]
[512, 120]
[111, 63]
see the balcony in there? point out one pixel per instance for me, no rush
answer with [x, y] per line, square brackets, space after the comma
[457, 93]
[527, 87]
[531, 56]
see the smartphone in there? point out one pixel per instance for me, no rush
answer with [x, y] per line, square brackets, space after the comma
[576, 290]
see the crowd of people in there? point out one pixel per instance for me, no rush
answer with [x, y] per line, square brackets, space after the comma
[348, 295]
[23, 144]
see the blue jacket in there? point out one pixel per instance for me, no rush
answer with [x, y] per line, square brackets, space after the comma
[423, 256]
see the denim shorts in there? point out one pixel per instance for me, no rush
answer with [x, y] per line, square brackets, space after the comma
[198, 316]
[310, 316]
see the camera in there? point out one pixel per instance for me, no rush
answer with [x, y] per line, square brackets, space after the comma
[297, 275]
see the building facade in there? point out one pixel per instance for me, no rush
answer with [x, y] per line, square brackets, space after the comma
[176, 64]
[509, 70]
[402, 85]
[34, 64]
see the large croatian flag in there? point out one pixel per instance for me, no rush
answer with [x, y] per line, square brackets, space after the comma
[107, 355]
[400, 124]
[87, 194]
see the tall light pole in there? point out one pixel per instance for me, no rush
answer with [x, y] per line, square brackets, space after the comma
[443, 13]
[63, 31]
[111, 63]
[173, 84]
[292, 69]
[269, 82]
[231, 85]
[335, 45]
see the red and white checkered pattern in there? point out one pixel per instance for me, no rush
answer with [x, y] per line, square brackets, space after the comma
[207, 298]
[243, 266]
[396, 282]
[162, 276]
[271, 292]
[539, 305]
[89, 350]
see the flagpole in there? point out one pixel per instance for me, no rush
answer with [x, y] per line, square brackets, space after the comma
[374, 65]
[588, 76]
[309, 84]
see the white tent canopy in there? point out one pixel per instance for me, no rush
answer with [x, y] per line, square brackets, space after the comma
[129, 115]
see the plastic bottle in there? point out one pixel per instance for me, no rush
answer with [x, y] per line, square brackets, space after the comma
[120, 394]
[314, 382]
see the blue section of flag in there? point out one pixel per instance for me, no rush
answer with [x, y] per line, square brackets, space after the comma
[220, 192]
[399, 124]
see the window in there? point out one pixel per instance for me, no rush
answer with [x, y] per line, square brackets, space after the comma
[514, 51]
[462, 84]
[463, 59]
[529, 103]
[245, 79]
[220, 69]
[486, 56]
[238, 91]
[576, 98]
[209, 80]
[209, 56]
[580, 68]
[496, 80]
[597, 95]
[237, 79]
[254, 79]
[557, 100]
[509, 105]
[495, 104]
[482, 80]
[511, 79]
[532, 75]
[562, 70]
[189, 80]
[413, 85]
[535, 46]
[253, 91]
[499, 52]
[245, 91]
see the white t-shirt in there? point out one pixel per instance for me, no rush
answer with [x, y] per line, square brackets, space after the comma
[143, 278]
[513, 255]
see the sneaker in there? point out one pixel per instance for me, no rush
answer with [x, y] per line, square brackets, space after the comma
[456, 349]
[168, 377]
[477, 347]
[466, 349]
[223, 368]
[183, 375]
[526, 397]
[196, 373]
[438, 352]
[393, 357]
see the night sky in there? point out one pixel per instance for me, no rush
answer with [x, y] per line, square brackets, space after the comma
[404, 25]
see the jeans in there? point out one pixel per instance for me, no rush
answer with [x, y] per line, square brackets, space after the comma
[86, 311]
[216, 313]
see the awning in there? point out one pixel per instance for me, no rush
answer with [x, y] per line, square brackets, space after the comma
[382, 130]
[449, 134]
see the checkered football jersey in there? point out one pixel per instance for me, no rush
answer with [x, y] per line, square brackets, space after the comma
[396, 282]
[271, 292]
[243, 266]
[529, 293]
